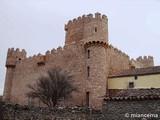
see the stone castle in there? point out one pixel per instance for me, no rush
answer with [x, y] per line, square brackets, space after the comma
[87, 55]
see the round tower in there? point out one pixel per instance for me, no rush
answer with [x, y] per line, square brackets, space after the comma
[95, 44]
[92, 31]
[97, 72]
[87, 28]
[13, 56]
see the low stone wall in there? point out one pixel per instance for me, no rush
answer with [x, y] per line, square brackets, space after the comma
[115, 108]
[17, 112]
[132, 108]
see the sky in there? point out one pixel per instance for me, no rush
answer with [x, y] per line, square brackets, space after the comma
[38, 25]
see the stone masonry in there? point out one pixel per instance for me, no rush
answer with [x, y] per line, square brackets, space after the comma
[132, 108]
[87, 55]
[18, 112]
[115, 108]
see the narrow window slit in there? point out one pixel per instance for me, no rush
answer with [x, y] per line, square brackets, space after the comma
[88, 54]
[95, 29]
[88, 71]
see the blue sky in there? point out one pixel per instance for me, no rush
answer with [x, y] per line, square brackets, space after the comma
[38, 25]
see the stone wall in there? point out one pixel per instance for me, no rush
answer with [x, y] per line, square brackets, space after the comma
[147, 61]
[89, 27]
[132, 108]
[17, 112]
[115, 108]
[118, 60]
[103, 61]
[27, 71]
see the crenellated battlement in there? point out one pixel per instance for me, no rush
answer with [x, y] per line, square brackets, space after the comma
[55, 51]
[144, 58]
[86, 27]
[84, 19]
[135, 64]
[117, 51]
[16, 51]
[14, 56]
[147, 61]
[39, 58]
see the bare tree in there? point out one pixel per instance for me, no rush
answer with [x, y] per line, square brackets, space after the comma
[57, 85]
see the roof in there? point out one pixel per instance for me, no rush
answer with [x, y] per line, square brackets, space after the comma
[137, 71]
[134, 92]
[152, 97]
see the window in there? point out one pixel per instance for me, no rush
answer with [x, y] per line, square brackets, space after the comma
[88, 54]
[87, 99]
[88, 71]
[135, 77]
[95, 29]
[19, 59]
[131, 85]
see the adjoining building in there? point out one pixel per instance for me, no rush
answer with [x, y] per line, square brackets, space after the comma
[146, 80]
[86, 54]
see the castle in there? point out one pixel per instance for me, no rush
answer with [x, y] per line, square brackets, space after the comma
[86, 54]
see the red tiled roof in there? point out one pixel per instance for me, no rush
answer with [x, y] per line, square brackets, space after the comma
[137, 71]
